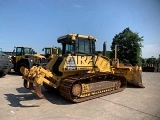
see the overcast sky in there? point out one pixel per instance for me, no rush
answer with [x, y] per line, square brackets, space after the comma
[38, 23]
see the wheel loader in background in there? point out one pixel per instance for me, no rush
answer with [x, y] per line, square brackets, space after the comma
[50, 52]
[5, 63]
[25, 56]
[79, 74]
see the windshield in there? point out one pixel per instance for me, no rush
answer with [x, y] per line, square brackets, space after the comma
[47, 51]
[54, 50]
[84, 46]
[79, 46]
[28, 50]
[69, 48]
[23, 50]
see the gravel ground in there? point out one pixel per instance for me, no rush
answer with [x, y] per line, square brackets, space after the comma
[17, 103]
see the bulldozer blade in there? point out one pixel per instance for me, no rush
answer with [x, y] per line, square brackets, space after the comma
[137, 80]
[38, 92]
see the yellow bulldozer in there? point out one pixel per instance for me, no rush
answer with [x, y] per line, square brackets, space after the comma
[50, 52]
[80, 74]
[25, 56]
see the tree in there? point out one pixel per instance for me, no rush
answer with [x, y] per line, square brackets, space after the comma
[59, 50]
[144, 62]
[129, 46]
[152, 61]
[107, 53]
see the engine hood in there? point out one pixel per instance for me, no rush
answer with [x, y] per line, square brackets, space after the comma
[35, 55]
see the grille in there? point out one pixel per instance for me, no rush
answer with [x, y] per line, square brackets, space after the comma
[43, 60]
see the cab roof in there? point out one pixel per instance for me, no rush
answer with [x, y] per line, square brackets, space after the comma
[74, 36]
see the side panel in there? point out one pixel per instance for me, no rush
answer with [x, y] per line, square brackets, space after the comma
[87, 63]
[103, 64]
[77, 63]
[51, 63]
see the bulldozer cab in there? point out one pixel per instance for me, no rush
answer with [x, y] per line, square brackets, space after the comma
[77, 44]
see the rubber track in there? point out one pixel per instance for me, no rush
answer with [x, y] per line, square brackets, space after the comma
[67, 83]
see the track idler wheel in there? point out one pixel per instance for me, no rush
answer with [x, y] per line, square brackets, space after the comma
[76, 90]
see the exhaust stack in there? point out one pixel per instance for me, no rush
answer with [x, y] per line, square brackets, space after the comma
[104, 49]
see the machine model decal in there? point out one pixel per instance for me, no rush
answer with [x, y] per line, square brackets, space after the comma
[71, 65]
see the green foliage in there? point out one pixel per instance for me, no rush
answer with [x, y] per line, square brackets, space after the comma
[151, 60]
[97, 52]
[59, 51]
[129, 46]
[144, 62]
[108, 53]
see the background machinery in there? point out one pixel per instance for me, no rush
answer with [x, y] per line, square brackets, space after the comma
[24, 56]
[50, 52]
[5, 63]
[79, 74]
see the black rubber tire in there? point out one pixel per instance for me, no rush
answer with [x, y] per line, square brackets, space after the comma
[3, 73]
[20, 65]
